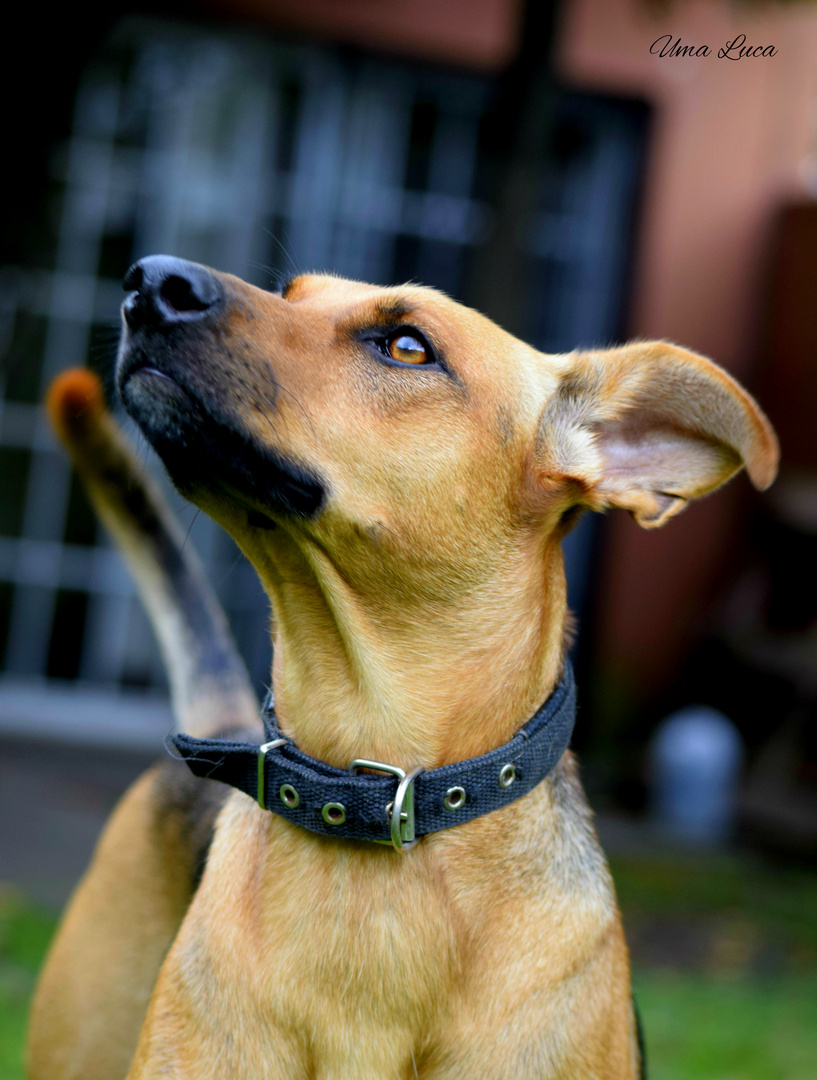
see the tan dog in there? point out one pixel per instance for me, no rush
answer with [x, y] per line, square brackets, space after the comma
[400, 472]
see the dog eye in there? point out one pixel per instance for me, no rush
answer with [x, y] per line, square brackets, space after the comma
[402, 347]
[407, 349]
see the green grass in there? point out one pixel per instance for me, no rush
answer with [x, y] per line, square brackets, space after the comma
[702, 1028]
[725, 966]
[725, 961]
[25, 932]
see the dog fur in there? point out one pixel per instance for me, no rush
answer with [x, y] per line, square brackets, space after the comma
[419, 618]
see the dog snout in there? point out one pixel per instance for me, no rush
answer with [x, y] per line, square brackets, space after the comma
[166, 291]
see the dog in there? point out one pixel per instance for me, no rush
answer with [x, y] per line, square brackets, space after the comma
[400, 472]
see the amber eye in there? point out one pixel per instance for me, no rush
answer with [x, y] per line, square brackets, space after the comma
[408, 349]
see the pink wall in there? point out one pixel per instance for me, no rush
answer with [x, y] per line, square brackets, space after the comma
[475, 33]
[731, 141]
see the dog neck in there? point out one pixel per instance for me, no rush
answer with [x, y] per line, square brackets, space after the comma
[409, 681]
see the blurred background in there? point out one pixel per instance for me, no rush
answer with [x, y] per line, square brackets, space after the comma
[538, 161]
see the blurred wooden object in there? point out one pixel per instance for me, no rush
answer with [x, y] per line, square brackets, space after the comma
[789, 389]
[770, 624]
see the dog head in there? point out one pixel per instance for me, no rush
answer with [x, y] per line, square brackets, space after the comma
[404, 456]
[401, 417]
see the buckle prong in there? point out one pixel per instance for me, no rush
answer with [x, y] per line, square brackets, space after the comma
[401, 810]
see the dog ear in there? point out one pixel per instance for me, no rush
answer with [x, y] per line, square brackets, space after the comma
[647, 427]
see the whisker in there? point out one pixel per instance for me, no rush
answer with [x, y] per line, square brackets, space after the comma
[293, 269]
[193, 521]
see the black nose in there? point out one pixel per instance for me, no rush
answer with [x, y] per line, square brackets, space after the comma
[167, 291]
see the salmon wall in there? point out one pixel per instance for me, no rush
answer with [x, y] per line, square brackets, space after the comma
[732, 141]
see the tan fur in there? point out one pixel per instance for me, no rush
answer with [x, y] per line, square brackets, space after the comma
[92, 997]
[166, 569]
[419, 619]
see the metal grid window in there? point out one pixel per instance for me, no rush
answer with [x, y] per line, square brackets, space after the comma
[254, 158]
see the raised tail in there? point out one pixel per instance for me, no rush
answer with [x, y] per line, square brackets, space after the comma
[210, 687]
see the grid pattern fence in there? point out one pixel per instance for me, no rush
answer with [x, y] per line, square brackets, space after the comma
[259, 159]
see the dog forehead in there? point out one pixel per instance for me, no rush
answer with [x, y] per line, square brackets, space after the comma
[333, 292]
[350, 304]
[478, 342]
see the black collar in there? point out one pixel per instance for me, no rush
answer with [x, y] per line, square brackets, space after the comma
[393, 807]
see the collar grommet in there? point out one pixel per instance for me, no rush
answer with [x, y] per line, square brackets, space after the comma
[289, 796]
[454, 798]
[334, 813]
[507, 775]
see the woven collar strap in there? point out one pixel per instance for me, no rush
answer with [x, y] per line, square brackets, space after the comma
[385, 804]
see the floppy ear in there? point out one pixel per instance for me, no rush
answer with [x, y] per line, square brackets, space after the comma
[647, 427]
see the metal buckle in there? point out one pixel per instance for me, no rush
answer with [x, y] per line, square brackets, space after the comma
[262, 757]
[401, 810]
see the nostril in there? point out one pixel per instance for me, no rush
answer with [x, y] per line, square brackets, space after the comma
[166, 291]
[181, 295]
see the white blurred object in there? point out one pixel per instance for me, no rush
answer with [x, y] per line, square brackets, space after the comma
[695, 761]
